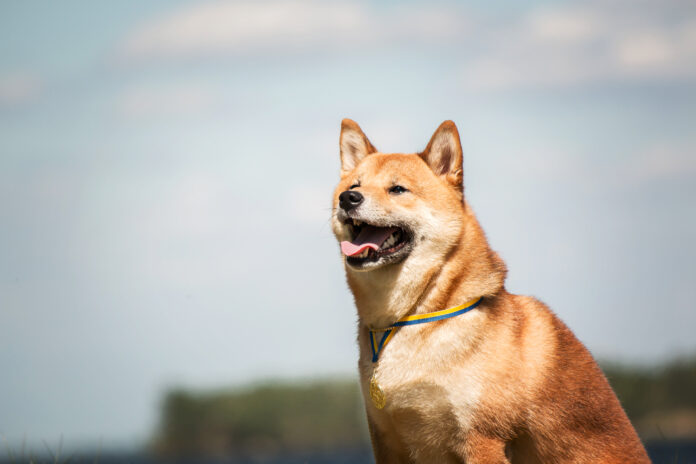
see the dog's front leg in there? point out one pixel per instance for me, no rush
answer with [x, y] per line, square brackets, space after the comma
[482, 449]
[385, 449]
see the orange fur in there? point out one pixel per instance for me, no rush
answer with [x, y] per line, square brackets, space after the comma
[505, 383]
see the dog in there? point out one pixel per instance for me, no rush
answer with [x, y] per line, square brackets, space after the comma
[453, 368]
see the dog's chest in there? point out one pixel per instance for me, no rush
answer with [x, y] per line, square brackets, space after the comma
[427, 398]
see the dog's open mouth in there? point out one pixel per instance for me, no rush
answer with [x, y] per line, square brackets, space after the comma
[369, 244]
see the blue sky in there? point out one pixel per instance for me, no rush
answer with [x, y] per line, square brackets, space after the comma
[166, 170]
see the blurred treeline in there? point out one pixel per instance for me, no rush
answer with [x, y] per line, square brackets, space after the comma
[278, 418]
[269, 419]
[661, 401]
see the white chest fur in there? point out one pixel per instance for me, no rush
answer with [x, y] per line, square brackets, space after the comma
[428, 398]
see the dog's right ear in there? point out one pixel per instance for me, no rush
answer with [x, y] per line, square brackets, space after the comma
[354, 146]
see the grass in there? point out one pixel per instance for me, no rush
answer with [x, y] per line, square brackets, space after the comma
[50, 456]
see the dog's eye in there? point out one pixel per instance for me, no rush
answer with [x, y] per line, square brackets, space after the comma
[354, 186]
[398, 189]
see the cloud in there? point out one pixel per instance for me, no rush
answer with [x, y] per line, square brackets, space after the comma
[150, 100]
[18, 87]
[663, 160]
[570, 25]
[571, 44]
[577, 44]
[244, 27]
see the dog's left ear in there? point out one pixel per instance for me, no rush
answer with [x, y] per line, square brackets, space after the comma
[354, 146]
[444, 153]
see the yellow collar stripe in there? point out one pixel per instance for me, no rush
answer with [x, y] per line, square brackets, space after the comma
[387, 333]
[437, 315]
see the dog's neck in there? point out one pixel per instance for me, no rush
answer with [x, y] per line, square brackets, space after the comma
[469, 270]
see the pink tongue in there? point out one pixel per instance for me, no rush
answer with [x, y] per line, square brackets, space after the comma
[369, 237]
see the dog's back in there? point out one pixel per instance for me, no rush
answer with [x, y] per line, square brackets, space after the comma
[547, 397]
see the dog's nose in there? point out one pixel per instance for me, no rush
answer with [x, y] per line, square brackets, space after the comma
[350, 199]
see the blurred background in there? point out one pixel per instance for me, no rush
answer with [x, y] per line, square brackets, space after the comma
[169, 284]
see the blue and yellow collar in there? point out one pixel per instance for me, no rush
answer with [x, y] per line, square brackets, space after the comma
[388, 332]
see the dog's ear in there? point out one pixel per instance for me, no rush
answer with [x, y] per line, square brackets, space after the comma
[444, 153]
[354, 146]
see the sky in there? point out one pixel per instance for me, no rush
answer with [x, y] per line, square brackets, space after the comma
[166, 172]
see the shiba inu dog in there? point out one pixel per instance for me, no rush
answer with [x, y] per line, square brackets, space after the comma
[454, 368]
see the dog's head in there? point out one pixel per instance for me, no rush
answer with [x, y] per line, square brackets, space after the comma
[398, 208]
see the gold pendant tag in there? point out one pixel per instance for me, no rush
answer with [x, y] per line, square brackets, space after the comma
[376, 393]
